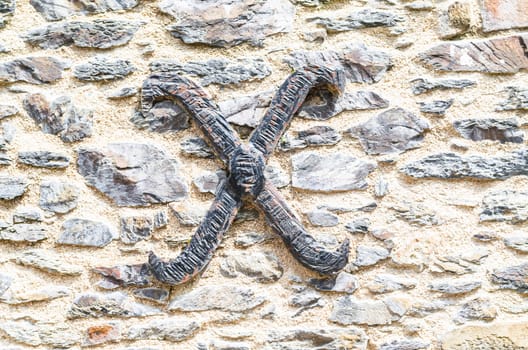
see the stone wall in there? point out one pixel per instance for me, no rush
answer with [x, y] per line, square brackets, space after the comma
[421, 164]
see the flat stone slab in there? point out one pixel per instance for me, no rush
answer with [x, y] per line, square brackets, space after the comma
[86, 233]
[174, 329]
[47, 261]
[103, 68]
[517, 99]
[58, 196]
[33, 70]
[512, 277]
[55, 10]
[29, 233]
[35, 333]
[502, 130]
[510, 206]
[328, 173]
[349, 310]
[500, 15]
[350, 338]
[12, 186]
[115, 304]
[367, 18]
[264, 267]
[132, 174]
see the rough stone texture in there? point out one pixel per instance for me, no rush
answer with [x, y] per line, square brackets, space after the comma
[12, 186]
[385, 283]
[44, 159]
[341, 283]
[43, 294]
[7, 7]
[505, 130]
[454, 20]
[172, 329]
[7, 111]
[362, 19]
[498, 335]
[115, 304]
[503, 15]
[33, 70]
[455, 287]
[510, 206]
[84, 232]
[100, 34]
[415, 214]
[512, 277]
[31, 332]
[100, 334]
[58, 196]
[135, 228]
[453, 166]
[23, 233]
[197, 147]
[322, 218]
[349, 310]
[499, 55]
[518, 243]
[43, 260]
[163, 116]
[217, 71]
[438, 107]
[227, 23]
[370, 255]
[103, 68]
[422, 85]
[393, 131]
[55, 10]
[314, 136]
[407, 344]
[517, 99]
[264, 267]
[125, 275]
[335, 172]
[476, 309]
[132, 174]
[123, 92]
[329, 338]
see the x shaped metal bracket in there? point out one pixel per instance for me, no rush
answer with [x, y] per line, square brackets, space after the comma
[245, 164]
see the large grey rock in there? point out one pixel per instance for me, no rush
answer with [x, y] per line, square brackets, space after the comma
[393, 131]
[512, 277]
[367, 18]
[508, 205]
[322, 217]
[517, 100]
[103, 68]
[497, 55]
[100, 34]
[370, 255]
[264, 267]
[327, 173]
[189, 214]
[277, 176]
[350, 338]
[55, 10]
[45, 260]
[23, 233]
[7, 8]
[217, 297]
[132, 174]
[60, 117]
[115, 304]
[361, 64]
[27, 214]
[455, 287]
[505, 130]
[44, 159]
[30, 332]
[12, 186]
[422, 85]
[86, 233]
[508, 15]
[454, 166]
[349, 310]
[174, 329]
[217, 71]
[125, 275]
[58, 196]
[227, 23]
[33, 70]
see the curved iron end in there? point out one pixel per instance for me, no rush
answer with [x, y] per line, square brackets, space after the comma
[197, 254]
[301, 244]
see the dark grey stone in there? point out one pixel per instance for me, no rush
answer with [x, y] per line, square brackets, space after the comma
[505, 130]
[226, 23]
[405, 344]
[115, 304]
[476, 309]
[386, 283]
[510, 206]
[517, 242]
[103, 68]
[393, 131]
[517, 99]
[246, 214]
[422, 85]
[322, 218]
[174, 329]
[7, 111]
[454, 287]
[370, 255]
[367, 18]
[163, 116]
[58, 196]
[7, 8]
[313, 338]
[249, 239]
[512, 277]
[12, 186]
[132, 174]
[348, 310]
[358, 226]
[217, 71]
[55, 10]
[361, 64]
[197, 147]
[124, 92]
[86, 233]
[5, 159]
[158, 295]
[315, 136]
[100, 34]
[438, 107]
[44, 159]
[125, 275]
[23, 233]
[135, 228]
[264, 267]
[33, 70]
[343, 282]
[327, 173]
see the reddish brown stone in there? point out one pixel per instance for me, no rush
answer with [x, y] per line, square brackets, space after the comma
[100, 334]
[503, 14]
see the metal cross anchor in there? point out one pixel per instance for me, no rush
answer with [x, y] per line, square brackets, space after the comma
[245, 164]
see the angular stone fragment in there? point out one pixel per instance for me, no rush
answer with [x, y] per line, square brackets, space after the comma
[7, 111]
[498, 55]
[44, 159]
[385, 283]
[407, 344]
[27, 214]
[512, 277]
[393, 131]
[126, 275]
[46, 261]
[341, 283]
[264, 267]
[415, 214]
[361, 64]
[226, 23]
[135, 228]
[421, 85]
[46, 293]
[508, 205]
[197, 147]
[132, 174]
[517, 242]
[100, 34]
[454, 166]
[505, 130]
[349, 310]
[163, 116]
[217, 297]
[174, 329]
[58, 196]
[246, 110]
[157, 295]
[189, 214]
[115, 304]
[349, 101]
[455, 287]
[101, 334]
[7, 8]
[33, 70]
[312, 338]
[276, 176]
[367, 18]
[30, 332]
[208, 181]
[497, 335]
[314, 136]
[249, 239]
[23, 233]
[12, 186]
[517, 100]
[318, 35]
[322, 218]
[358, 226]
[503, 15]
[370, 255]
[86, 233]
[476, 309]
[438, 107]
[327, 173]
[55, 10]
[454, 20]
[103, 68]
[60, 117]
[217, 71]
[123, 92]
